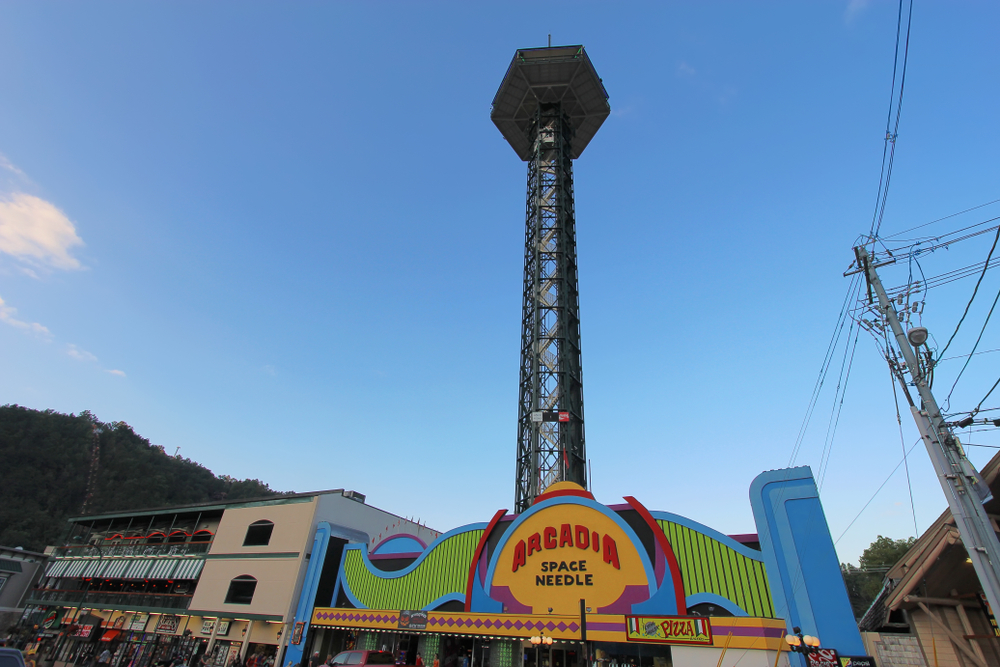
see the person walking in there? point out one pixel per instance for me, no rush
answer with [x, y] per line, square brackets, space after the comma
[437, 660]
[420, 661]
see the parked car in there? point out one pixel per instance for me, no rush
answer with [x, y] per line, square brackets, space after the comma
[11, 657]
[355, 658]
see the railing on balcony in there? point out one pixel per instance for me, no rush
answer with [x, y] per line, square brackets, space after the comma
[131, 600]
[181, 549]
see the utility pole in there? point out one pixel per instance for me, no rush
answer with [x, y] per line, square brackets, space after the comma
[963, 487]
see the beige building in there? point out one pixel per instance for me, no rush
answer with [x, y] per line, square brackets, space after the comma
[211, 582]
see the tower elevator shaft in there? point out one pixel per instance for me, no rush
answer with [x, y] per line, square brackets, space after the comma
[550, 408]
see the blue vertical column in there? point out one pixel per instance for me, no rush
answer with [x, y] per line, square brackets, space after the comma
[307, 597]
[802, 566]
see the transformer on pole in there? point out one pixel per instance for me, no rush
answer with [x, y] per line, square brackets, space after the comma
[549, 106]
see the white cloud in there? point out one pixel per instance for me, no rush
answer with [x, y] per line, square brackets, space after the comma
[116, 372]
[8, 316]
[35, 231]
[6, 164]
[855, 7]
[78, 354]
[684, 69]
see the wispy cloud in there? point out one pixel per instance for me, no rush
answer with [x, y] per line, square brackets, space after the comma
[854, 8]
[6, 164]
[78, 354]
[34, 231]
[684, 69]
[117, 372]
[8, 315]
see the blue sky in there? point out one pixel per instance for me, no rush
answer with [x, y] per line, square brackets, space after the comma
[286, 238]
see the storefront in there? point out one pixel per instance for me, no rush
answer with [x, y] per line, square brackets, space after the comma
[574, 583]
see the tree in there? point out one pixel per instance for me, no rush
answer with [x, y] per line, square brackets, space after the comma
[865, 580]
[46, 462]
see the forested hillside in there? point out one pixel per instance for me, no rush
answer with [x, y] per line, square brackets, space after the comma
[45, 461]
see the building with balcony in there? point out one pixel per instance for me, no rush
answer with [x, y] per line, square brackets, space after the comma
[211, 582]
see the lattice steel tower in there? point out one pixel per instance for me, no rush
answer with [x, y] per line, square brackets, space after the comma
[550, 105]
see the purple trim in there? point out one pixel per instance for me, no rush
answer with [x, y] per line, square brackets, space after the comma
[392, 556]
[619, 508]
[746, 538]
[503, 595]
[623, 605]
[742, 631]
[484, 565]
[660, 568]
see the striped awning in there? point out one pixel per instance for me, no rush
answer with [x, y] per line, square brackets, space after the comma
[162, 569]
[94, 567]
[115, 568]
[56, 568]
[189, 568]
[75, 569]
[138, 569]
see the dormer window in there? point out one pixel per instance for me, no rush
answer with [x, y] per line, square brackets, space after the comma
[259, 533]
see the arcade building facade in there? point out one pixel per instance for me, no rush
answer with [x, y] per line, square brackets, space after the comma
[572, 583]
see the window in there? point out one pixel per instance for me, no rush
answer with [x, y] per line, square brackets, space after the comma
[258, 534]
[241, 590]
[381, 658]
[202, 536]
[177, 536]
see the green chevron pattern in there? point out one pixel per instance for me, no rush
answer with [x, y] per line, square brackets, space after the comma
[709, 566]
[445, 570]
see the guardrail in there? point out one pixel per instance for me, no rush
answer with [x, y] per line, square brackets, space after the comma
[186, 549]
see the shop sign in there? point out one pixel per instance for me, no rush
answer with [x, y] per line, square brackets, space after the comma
[223, 629]
[52, 619]
[413, 619]
[989, 614]
[857, 661]
[555, 556]
[83, 631]
[119, 622]
[669, 630]
[823, 657]
[297, 632]
[168, 624]
[138, 623]
[207, 626]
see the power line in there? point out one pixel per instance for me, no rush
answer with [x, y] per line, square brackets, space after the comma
[902, 443]
[966, 364]
[877, 490]
[892, 236]
[890, 137]
[974, 292]
[976, 410]
[852, 290]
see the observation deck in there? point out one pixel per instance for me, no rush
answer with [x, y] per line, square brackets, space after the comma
[553, 75]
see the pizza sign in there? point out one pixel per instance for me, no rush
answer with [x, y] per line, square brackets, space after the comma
[669, 630]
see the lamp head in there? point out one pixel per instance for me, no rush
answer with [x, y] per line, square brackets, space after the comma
[917, 336]
[792, 640]
[811, 641]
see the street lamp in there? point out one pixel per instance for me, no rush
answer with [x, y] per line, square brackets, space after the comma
[804, 644]
[538, 641]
